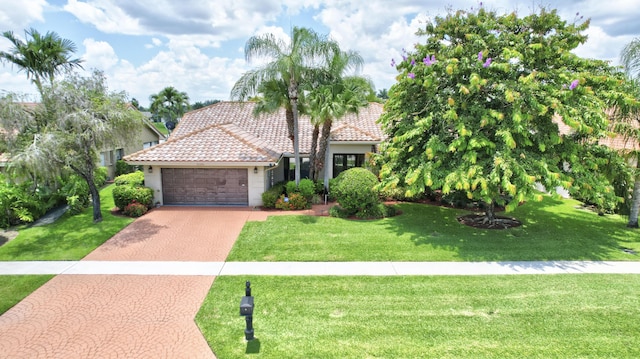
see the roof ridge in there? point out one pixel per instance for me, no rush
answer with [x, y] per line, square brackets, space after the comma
[257, 143]
[170, 141]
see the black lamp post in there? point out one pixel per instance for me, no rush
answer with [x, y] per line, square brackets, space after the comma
[246, 310]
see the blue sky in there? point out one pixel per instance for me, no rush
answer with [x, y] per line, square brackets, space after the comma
[196, 46]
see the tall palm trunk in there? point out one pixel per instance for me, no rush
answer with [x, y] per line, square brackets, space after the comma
[313, 173]
[635, 200]
[293, 96]
[324, 143]
[289, 116]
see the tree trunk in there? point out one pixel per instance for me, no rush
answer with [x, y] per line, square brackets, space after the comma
[293, 96]
[313, 173]
[95, 199]
[324, 142]
[93, 190]
[635, 201]
[289, 116]
[490, 212]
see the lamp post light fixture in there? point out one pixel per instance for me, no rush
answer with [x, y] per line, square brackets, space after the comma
[150, 169]
[255, 170]
[246, 310]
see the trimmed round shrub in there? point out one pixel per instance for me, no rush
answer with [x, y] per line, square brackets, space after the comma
[354, 191]
[125, 195]
[135, 179]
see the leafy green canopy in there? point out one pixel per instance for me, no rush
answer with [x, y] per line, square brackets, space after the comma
[476, 108]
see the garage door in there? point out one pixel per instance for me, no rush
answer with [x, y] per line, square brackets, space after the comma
[205, 186]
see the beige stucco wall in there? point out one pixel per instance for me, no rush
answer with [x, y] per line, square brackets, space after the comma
[346, 149]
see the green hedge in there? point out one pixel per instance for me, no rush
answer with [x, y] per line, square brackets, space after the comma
[125, 195]
[135, 179]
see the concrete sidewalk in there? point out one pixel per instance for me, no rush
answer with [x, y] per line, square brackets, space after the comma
[314, 268]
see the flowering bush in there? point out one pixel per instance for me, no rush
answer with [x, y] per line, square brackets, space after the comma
[135, 209]
[293, 202]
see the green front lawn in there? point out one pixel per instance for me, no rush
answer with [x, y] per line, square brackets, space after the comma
[161, 128]
[552, 230]
[14, 288]
[69, 238]
[552, 316]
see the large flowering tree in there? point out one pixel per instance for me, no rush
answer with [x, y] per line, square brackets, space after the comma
[476, 109]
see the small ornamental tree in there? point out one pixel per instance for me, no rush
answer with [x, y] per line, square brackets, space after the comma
[476, 109]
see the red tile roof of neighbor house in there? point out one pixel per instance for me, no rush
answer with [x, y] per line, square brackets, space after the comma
[616, 142]
[229, 132]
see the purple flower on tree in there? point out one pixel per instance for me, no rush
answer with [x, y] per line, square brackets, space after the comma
[574, 84]
[487, 63]
[393, 63]
[411, 75]
[480, 56]
[413, 62]
[429, 61]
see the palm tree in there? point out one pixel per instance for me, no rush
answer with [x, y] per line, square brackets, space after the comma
[169, 104]
[41, 56]
[630, 59]
[332, 99]
[292, 64]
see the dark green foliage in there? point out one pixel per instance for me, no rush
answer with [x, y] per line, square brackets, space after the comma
[354, 190]
[18, 204]
[124, 195]
[606, 165]
[130, 179]
[123, 168]
[338, 212]
[135, 209]
[76, 189]
[307, 188]
[291, 187]
[270, 196]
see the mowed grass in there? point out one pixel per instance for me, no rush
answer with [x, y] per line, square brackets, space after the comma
[553, 229]
[552, 316]
[69, 238]
[14, 288]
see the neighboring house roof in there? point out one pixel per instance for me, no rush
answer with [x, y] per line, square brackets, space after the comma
[617, 142]
[4, 159]
[229, 132]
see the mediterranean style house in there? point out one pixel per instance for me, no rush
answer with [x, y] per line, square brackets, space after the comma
[224, 155]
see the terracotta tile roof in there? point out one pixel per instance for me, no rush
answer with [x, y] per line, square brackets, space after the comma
[616, 142]
[215, 143]
[229, 132]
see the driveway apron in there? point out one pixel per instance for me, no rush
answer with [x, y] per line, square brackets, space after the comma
[126, 316]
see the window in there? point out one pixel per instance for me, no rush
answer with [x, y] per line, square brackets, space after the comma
[343, 162]
[119, 154]
[149, 144]
[106, 158]
[290, 168]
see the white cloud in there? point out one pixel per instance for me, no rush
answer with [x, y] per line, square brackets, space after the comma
[17, 15]
[105, 16]
[99, 55]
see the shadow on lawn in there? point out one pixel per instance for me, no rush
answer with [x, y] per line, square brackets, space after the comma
[552, 230]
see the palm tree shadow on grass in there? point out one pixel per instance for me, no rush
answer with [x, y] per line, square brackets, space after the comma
[551, 230]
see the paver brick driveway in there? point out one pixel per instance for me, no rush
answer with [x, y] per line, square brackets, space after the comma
[125, 316]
